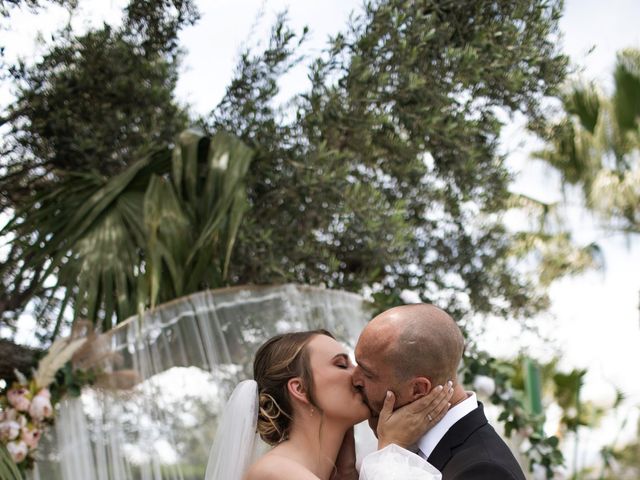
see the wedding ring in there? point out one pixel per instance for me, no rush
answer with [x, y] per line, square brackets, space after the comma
[429, 417]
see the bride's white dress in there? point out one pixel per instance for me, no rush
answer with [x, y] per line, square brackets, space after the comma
[236, 447]
[395, 463]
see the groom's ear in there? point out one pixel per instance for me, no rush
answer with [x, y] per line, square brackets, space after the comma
[297, 390]
[421, 386]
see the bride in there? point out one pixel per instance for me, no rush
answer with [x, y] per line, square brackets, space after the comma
[303, 404]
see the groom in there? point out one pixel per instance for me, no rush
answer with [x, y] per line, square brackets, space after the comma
[411, 349]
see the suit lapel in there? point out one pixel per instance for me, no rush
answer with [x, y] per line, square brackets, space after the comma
[456, 436]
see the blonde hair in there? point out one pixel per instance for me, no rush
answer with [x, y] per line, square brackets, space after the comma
[278, 360]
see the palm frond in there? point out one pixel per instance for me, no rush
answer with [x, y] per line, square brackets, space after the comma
[163, 228]
[626, 98]
[8, 469]
[584, 102]
[569, 151]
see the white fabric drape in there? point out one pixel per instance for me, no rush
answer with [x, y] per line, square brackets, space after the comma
[187, 354]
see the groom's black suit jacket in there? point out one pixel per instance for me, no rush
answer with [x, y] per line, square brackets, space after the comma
[472, 450]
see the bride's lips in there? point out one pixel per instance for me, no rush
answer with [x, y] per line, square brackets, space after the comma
[365, 401]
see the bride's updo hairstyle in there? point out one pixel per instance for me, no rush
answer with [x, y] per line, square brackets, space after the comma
[278, 360]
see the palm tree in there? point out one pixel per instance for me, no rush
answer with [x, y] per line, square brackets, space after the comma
[596, 145]
[108, 248]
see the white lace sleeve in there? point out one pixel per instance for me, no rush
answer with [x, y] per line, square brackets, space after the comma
[395, 463]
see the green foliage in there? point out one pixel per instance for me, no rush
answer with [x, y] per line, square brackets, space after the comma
[511, 396]
[584, 102]
[92, 104]
[568, 386]
[91, 107]
[155, 25]
[385, 173]
[69, 381]
[8, 469]
[618, 462]
[595, 145]
[626, 99]
[7, 5]
[161, 229]
[623, 463]
[547, 245]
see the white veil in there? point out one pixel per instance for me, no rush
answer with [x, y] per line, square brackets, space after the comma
[236, 444]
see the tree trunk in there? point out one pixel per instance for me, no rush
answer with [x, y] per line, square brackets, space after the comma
[13, 356]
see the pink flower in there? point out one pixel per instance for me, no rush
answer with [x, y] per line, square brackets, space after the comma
[44, 393]
[18, 398]
[31, 437]
[9, 430]
[18, 450]
[40, 408]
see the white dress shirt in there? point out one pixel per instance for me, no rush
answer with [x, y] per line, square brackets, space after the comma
[428, 442]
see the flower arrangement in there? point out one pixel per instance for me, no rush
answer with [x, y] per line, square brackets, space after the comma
[22, 423]
[27, 407]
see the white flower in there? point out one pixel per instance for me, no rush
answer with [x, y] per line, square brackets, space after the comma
[525, 445]
[9, 430]
[539, 472]
[18, 450]
[44, 393]
[40, 407]
[535, 456]
[559, 472]
[506, 395]
[484, 385]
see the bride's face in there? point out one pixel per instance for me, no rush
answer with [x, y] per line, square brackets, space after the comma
[332, 372]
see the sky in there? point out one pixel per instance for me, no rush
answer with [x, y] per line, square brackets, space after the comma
[594, 319]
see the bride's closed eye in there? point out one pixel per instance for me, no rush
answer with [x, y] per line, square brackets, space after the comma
[342, 362]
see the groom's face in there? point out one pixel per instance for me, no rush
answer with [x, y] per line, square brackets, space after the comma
[373, 374]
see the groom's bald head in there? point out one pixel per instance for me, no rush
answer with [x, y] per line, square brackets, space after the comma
[417, 340]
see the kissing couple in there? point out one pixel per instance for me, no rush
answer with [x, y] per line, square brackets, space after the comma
[306, 397]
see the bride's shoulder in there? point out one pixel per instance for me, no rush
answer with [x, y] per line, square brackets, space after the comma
[277, 467]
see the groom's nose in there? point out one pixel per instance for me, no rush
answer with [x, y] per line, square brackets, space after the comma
[356, 378]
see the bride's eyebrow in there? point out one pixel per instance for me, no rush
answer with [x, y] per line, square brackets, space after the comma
[343, 355]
